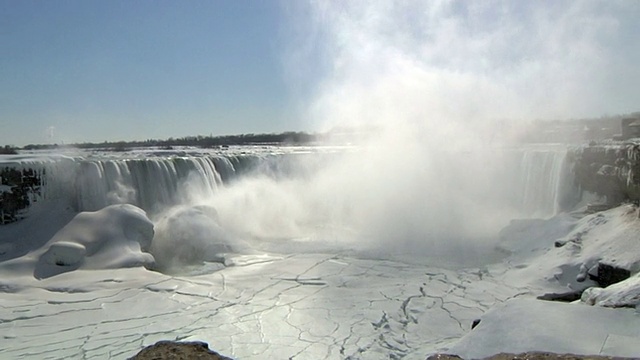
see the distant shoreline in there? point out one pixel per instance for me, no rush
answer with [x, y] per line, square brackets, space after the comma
[197, 141]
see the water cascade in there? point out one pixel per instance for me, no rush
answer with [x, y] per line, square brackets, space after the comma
[543, 181]
[537, 179]
[147, 183]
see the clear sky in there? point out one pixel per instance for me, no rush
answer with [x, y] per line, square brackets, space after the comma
[109, 70]
[90, 71]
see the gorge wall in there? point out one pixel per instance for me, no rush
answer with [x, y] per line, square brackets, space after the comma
[610, 169]
[19, 188]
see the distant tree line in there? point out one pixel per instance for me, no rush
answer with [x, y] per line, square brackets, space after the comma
[197, 141]
[8, 150]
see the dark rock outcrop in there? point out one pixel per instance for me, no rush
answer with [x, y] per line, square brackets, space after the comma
[564, 297]
[609, 169]
[608, 275]
[21, 187]
[173, 350]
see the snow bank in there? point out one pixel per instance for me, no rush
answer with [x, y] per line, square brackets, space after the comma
[522, 325]
[115, 237]
[64, 253]
[559, 254]
[523, 237]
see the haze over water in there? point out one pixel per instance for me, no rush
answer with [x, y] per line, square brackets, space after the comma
[435, 90]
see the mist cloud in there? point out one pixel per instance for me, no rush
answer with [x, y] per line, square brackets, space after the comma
[448, 60]
[430, 79]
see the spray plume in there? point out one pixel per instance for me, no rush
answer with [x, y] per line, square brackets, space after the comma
[430, 84]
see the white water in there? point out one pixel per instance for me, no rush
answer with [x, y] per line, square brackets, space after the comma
[544, 182]
[148, 183]
[313, 200]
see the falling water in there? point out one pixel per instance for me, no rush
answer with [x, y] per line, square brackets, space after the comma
[538, 179]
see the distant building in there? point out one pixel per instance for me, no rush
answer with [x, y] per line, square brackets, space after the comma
[630, 128]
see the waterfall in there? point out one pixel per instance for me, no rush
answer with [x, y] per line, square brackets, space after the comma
[25, 180]
[543, 181]
[150, 183]
[529, 181]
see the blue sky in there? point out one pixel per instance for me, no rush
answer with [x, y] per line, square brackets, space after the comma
[109, 70]
[122, 70]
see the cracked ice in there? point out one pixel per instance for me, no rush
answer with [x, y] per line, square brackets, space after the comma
[300, 307]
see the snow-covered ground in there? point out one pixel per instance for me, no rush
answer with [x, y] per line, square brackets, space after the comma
[74, 285]
[100, 304]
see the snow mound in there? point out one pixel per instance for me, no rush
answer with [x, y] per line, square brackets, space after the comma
[114, 237]
[525, 236]
[65, 253]
[522, 325]
[190, 235]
